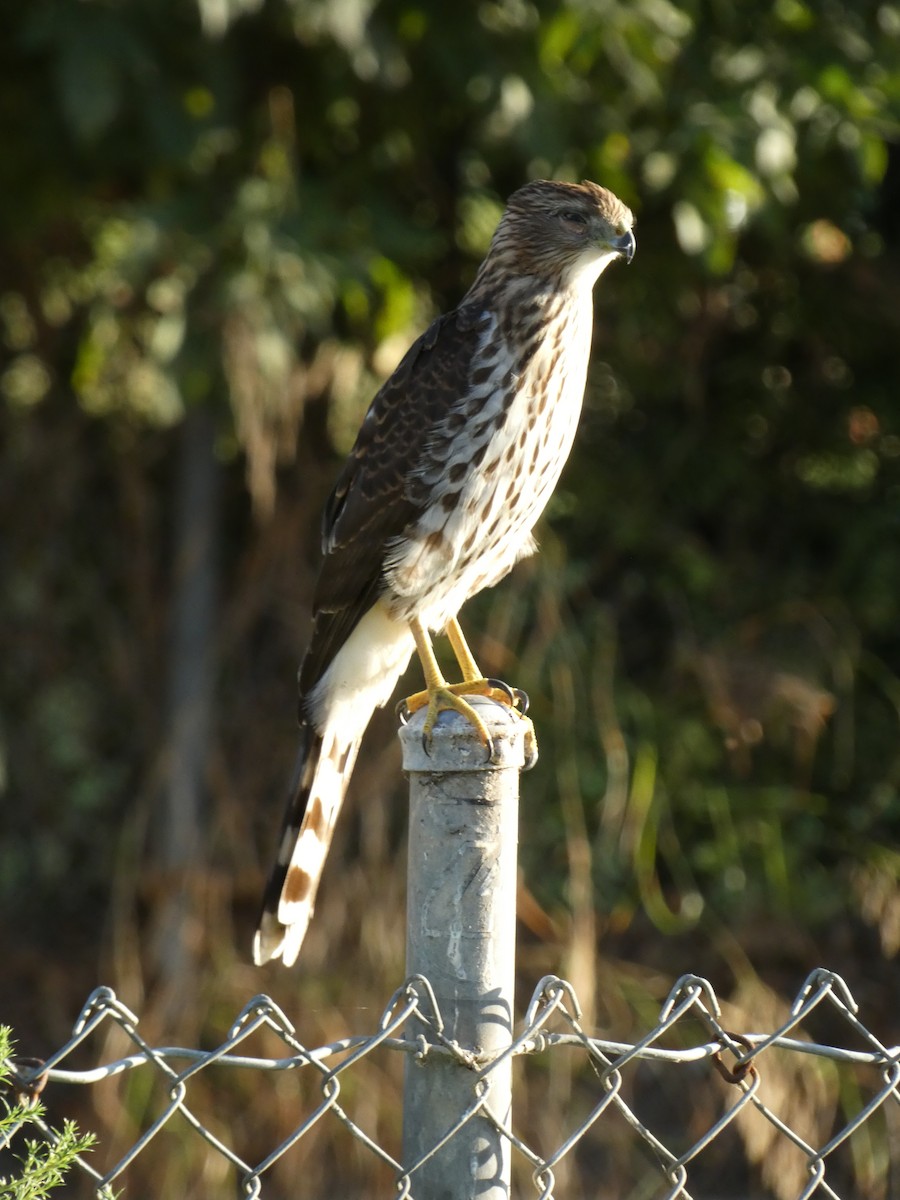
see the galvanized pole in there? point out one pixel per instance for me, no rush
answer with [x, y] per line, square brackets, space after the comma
[461, 936]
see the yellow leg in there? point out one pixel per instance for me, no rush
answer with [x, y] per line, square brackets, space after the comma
[460, 647]
[514, 697]
[439, 695]
[471, 672]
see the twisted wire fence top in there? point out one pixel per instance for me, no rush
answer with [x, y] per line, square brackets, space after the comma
[552, 1021]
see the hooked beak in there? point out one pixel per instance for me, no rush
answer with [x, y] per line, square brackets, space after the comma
[625, 245]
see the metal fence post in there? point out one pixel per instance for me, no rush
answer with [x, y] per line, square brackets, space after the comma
[461, 936]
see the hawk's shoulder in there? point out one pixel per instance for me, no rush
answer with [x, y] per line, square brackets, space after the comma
[373, 502]
[431, 379]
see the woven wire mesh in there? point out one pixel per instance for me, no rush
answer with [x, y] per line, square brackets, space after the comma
[689, 1035]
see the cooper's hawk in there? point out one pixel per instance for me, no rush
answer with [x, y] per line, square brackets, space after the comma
[453, 465]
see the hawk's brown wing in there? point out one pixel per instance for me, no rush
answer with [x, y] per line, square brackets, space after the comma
[376, 496]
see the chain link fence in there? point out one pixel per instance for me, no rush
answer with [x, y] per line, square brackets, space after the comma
[689, 1035]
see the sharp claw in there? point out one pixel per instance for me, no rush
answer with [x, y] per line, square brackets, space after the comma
[522, 702]
[448, 697]
[500, 686]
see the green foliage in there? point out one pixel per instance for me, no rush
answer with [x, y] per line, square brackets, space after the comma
[253, 208]
[45, 1163]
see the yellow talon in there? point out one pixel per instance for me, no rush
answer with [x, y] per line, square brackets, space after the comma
[444, 699]
[468, 687]
[449, 697]
[440, 696]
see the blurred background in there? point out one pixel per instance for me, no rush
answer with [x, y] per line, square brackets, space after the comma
[221, 224]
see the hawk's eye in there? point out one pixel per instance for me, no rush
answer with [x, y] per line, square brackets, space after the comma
[575, 219]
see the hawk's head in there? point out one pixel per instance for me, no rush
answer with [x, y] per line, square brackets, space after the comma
[570, 230]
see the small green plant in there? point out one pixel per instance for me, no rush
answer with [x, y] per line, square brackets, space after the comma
[45, 1163]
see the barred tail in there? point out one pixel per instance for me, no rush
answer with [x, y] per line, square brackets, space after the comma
[360, 678]
[323, 771]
